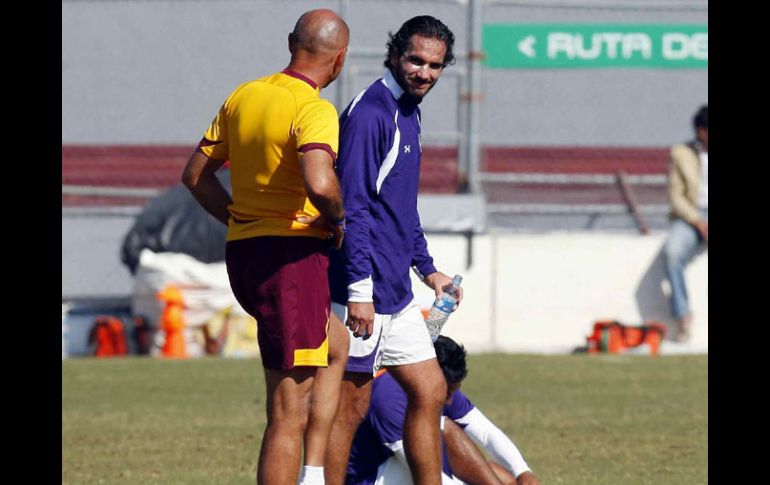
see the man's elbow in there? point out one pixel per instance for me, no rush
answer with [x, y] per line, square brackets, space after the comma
[190, 179]
[194, 170]
[187, 179]
[191, 175]
[322, 188]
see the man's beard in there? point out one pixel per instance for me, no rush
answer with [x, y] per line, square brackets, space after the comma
[402, 81]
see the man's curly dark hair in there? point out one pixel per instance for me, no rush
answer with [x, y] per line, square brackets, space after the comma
[701, 118]
[451, 358]
[426, 26]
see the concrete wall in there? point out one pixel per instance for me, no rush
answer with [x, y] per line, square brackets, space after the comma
[543, 292]
[523, 292]
[90, 257]
[137, 72]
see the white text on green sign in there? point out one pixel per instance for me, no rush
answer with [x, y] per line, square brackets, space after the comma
[595, 46]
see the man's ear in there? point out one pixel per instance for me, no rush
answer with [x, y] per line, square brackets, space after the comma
[292, 43]
[394, 59]
[339, 60]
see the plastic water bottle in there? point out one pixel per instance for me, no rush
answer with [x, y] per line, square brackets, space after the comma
[443, 307]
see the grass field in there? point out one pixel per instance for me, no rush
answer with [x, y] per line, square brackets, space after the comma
[577, 419]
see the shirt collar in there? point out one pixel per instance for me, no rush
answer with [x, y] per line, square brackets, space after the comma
[301, 77]
[390, 82]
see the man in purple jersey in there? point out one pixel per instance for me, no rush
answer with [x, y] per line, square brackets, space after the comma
[379, 167]
[377, 453]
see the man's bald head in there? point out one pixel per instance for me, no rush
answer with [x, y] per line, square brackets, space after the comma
[320, 32]
[318, 46]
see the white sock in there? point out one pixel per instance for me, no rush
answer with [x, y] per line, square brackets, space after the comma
[311, 475]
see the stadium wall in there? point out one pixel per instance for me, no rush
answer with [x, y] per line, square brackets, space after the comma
[543, 292]
[523, 292]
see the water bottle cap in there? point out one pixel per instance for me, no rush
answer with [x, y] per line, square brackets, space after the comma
[457, 280]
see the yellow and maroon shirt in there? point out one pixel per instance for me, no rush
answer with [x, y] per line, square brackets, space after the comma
[263, 128]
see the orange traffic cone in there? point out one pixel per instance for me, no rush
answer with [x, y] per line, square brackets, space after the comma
[172, 322]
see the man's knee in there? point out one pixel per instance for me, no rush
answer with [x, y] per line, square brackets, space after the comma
[338, 351]
[339, 341]
[354, 399]
[352, 413]
[430, 392]
[296, 411]
[424, 383]
[674, 253]
[289, 394]
[435, 394]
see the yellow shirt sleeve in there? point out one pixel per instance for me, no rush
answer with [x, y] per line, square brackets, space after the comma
[317, 127]
[214, 143]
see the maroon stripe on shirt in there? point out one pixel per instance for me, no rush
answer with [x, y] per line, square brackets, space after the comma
[300, 76]
[205, 142]
[318, 146]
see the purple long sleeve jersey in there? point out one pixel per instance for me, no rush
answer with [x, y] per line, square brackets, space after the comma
[379, 169]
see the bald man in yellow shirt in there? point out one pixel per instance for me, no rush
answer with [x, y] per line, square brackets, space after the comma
[285, 212]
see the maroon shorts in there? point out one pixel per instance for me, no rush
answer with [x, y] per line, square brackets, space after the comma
[282, 282]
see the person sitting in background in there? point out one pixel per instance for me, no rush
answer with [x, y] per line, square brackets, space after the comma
[377, 454]
[689, 233]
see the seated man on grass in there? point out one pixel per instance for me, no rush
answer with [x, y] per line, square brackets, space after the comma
[377, 455]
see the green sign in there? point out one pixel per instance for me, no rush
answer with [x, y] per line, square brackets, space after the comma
[545, 46]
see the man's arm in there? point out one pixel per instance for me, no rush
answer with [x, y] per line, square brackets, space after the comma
[677, 186]
[492, 438]
[199, 177]
[422, 262]
[361, 153]
[466, 461]
[323, 190]
[681, 206]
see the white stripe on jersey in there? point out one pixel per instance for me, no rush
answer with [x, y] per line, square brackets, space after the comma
[390, 159]
[356, 100]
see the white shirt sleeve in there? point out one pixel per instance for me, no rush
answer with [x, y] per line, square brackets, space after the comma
[361, 291]
[492, 438]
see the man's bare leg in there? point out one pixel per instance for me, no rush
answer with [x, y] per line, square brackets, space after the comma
[326, 394]
[426, 390]
[355, 394]
[288, 404]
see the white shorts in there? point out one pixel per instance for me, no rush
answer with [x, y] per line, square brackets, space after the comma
[398, 339]
[393, 472]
